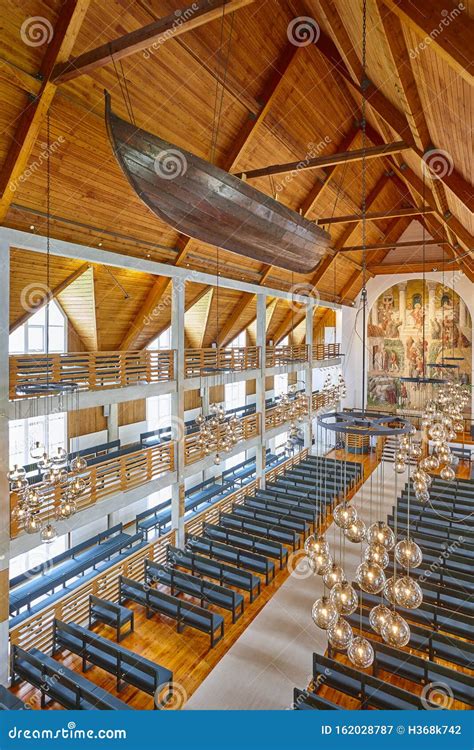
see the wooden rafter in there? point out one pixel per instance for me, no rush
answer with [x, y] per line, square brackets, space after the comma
[344, 60]
[244, 302]
[50, 295]
[33, 116]
[404, 267]
[388, 246]
[151, 36]
[375, 216]
[453, 39]
[331, 160]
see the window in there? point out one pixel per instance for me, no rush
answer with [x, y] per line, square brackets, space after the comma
[50, 431]
[240, 340]
[280, 384]
[158, 411]
[234, 460]
[31, 336]
[235, 395]
[163, 341]
[37, 556]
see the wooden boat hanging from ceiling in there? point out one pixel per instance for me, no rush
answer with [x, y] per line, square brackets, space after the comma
[211, 205]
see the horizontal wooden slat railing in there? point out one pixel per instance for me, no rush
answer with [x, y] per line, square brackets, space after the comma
[213, 361]
[326, 351]
[280, 469]
[37, 631]
[248, 428]
[322, 399]
[92, 371]
[194, 526]
[277, 356]
[107, 478]
[274, 417]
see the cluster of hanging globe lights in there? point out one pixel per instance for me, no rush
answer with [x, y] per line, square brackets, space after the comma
[217, 433]
[59, 475]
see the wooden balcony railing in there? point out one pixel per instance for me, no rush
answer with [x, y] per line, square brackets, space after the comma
[274, 417]
[117, 475]
[325, 351]
[204, 362]
[37, 631]
[322, 399]
[92, 371]
[249, 427]
[277, 356]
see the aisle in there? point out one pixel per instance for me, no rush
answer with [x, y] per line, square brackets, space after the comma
[274, 654]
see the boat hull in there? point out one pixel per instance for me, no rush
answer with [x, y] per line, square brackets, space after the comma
[202, 201]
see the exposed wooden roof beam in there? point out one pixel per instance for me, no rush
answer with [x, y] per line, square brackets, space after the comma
[375, 216]
[321, 185]
[451, 34]
[343, 58]
[348, 286]
[331, 160]
[384, 268]
[50, 295]
[389, 245]
[151, 36]
[33, 116]
[240, 309]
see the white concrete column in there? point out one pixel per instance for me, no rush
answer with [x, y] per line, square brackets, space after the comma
[111, 413]
[402, 301]
[260, 384]
[177, 407]
[308, 377]
[4, 461]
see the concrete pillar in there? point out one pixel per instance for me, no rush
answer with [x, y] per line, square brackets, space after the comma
[111, 414]
[177, 407]
[308, 377]
[402, 301]
[260, 384]
[4, 462]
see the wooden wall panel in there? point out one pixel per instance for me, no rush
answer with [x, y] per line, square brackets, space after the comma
[86, 421]
[131, 412]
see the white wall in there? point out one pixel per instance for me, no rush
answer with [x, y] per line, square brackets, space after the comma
[351, 336]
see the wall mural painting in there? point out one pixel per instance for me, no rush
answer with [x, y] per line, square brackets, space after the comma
[396, 343]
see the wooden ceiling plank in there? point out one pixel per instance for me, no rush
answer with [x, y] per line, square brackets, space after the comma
[31, 120]
[331, 160]
[450, 34]
[239, 310]
[156, 33]
[388, 246]
[50, 295]
[375, 216]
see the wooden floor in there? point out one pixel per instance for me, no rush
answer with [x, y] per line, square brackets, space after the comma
[188, 654]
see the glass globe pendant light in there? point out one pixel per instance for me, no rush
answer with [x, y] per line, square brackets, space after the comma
[396, 631]
[389, 590]
[316, 544]
[361, 652]
[334, 575]
[376, 553]
[370, 577]
[408, 554]
[344, 597]
[324, 613]
[340, 634]
[344, 515]
[407, 593]
[321, 563]
[356, 532]
[381, 533]
[378, 617]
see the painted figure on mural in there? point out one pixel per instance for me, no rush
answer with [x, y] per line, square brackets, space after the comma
[399, 348]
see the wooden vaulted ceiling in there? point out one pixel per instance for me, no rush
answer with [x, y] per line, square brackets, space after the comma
[281, 103]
